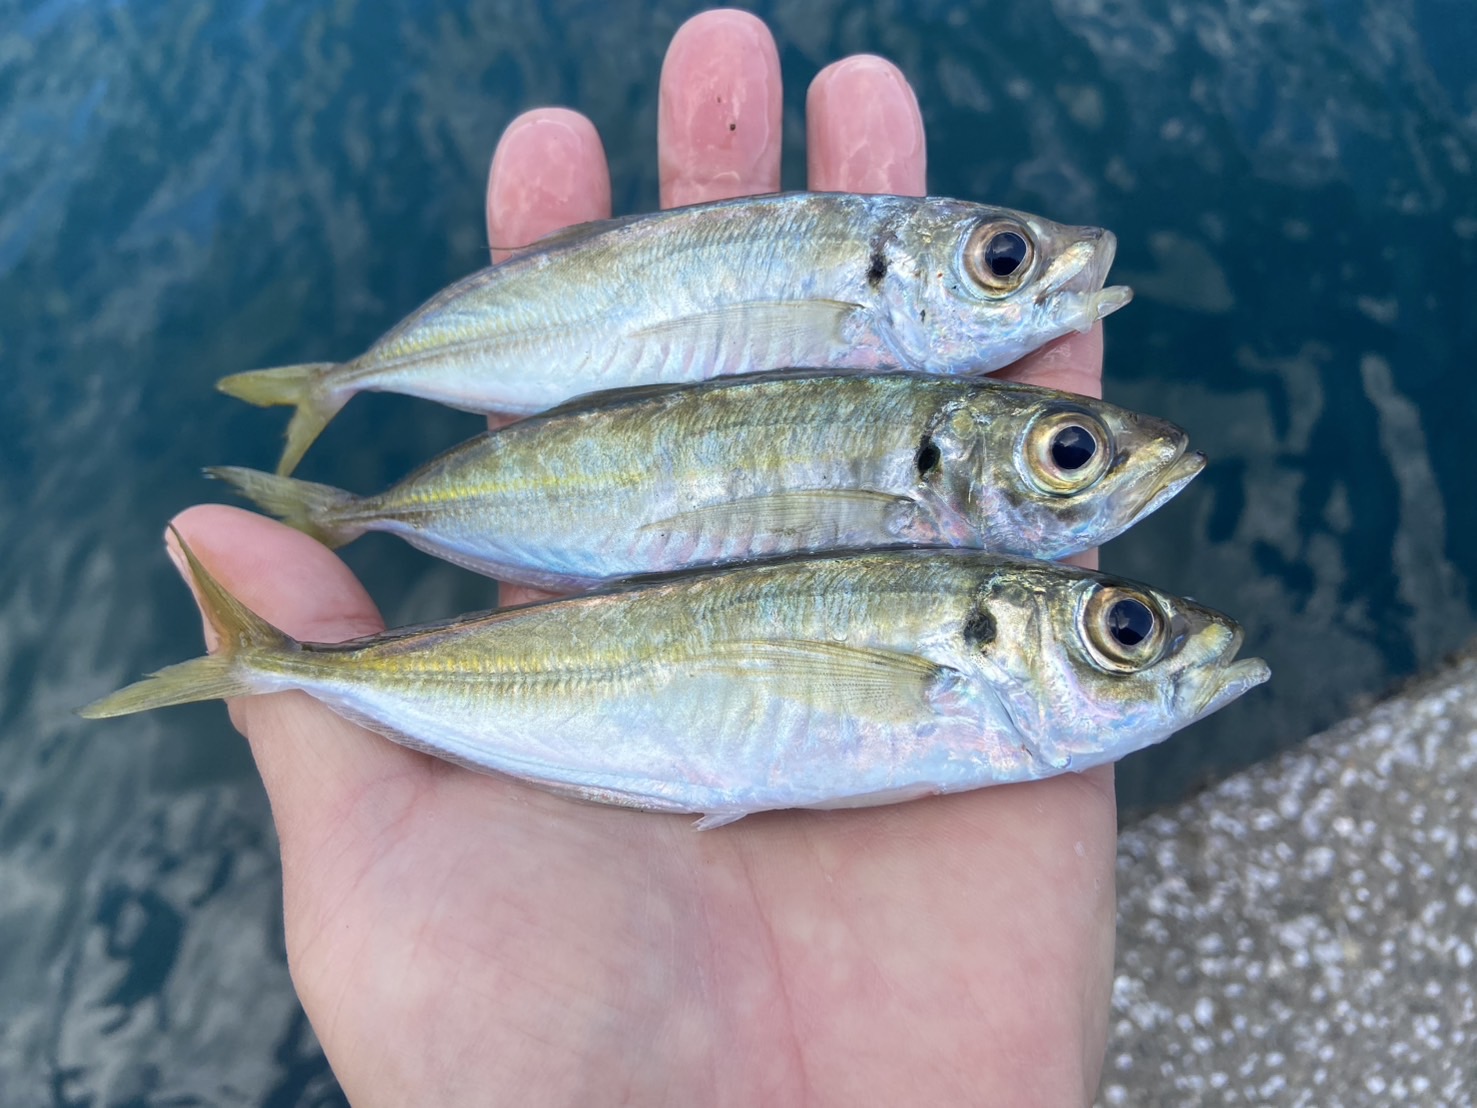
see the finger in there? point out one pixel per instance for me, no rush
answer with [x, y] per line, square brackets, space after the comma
[1073, 363]
[719, 116]
[548, 172]
[510, 595]
[311, 760]
[863, 130]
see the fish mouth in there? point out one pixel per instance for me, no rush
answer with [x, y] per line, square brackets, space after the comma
[1231, 681]
[1223, 679]
[1107, 301]
[1185, 467]
[1081, 272]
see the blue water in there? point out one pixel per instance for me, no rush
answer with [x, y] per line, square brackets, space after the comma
[186, 192]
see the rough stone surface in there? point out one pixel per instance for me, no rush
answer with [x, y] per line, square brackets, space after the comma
[1305, 933]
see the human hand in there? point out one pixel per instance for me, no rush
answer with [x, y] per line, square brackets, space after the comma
[460, 938]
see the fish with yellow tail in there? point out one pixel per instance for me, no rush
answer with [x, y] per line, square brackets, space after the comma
[836, 681]
[830, 280]
[671, 477]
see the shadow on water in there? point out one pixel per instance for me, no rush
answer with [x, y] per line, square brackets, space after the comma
[188, 191]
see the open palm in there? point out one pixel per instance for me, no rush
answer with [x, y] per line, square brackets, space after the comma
[464, 939]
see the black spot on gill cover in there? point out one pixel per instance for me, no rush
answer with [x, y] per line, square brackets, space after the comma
[877, 269]
[928, 457]
[979, 628]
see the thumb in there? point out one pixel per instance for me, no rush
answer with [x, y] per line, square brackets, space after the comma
[313, 762]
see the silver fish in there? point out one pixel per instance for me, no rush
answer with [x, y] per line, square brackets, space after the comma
[838, 681]
[740, 286]
[669, 477]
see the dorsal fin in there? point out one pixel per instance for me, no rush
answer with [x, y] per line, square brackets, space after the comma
[578, 232]
[568, 236]
[602, 399]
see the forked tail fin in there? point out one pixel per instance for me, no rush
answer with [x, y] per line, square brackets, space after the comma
[299, 386]
[242, 633]
[315, 510]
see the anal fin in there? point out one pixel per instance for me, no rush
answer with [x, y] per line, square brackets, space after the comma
[898, 795]
[718, 819]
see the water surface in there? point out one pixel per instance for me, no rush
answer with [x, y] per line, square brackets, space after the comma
[188, 191]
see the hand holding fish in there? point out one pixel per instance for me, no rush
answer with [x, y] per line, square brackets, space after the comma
[460, 938]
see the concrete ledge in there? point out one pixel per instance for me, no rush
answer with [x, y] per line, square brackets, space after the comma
[1304, 933]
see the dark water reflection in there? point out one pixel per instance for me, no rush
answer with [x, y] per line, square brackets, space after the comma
[186, 191]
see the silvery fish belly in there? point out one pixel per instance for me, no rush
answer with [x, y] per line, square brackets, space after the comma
[671, 477]
[740, 286]
[836, 681]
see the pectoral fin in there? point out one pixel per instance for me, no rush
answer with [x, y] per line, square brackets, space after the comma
[866, 682]
[808, 517]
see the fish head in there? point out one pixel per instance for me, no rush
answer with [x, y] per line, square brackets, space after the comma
[1041, 473]
[1089, 668]
[992, 284]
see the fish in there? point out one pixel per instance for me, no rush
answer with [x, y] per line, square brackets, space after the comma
[832, 681]
[670, 477]
[831, 280]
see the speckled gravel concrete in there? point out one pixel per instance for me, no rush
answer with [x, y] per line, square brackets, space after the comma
[1304, 933]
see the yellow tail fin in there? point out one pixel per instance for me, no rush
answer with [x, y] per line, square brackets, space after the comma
[313, 509]
[299, 386]
[242, 633]
[207, 678]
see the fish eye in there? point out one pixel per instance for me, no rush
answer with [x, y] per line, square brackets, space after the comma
[1125, 629]
[999, 255]
[1066, 450]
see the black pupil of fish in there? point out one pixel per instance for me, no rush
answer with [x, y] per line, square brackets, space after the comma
[1130, 622]
[1005, 253]
[1073, 447]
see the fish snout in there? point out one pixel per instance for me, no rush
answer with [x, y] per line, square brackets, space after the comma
[1181, 467]
[1075, 279]
[1096, 247]
[1213, 677]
